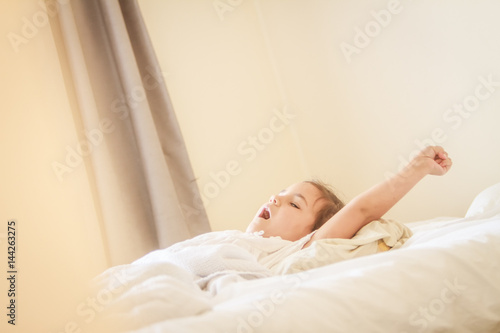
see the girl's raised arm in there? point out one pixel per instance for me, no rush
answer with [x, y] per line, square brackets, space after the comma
[372, 204]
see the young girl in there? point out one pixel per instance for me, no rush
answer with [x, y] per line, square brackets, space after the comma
[304, 216]
[309, 211]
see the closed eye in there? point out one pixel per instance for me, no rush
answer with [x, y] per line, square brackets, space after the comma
[294, 205]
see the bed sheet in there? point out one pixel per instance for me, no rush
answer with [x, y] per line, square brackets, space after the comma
[445, 278]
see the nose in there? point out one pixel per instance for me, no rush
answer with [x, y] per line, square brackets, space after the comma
[274, 200]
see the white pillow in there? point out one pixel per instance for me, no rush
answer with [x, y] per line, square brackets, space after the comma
[487, 200]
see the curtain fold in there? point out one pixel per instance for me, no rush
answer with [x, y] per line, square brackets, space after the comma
[145, 190]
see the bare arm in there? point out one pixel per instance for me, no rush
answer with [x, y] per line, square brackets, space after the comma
[374, 203]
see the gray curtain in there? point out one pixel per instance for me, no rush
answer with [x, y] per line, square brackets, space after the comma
[145, 193]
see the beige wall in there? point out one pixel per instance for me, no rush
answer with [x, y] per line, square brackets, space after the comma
[265, 97]
[357, 113]
[58, 246]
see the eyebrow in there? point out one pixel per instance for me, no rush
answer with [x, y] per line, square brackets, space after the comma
[296, 195]
[302, 197]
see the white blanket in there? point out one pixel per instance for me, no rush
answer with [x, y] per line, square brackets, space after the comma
[445, 278]
[183, 279]
[180, 280]
[218, 258]
[129, 297]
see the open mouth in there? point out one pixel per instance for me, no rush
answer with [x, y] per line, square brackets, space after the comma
[265, 213]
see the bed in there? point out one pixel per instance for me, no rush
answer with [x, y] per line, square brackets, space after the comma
[445, 278]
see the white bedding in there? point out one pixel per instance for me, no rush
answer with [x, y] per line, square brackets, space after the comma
[445, 278]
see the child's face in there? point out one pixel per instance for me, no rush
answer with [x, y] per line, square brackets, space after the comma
[290, 214]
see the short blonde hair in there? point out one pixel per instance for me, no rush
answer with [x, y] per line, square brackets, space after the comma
[331, 207]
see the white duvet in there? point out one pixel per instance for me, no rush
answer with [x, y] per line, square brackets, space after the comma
[445, 278]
